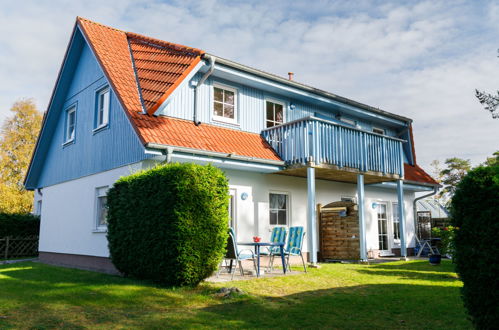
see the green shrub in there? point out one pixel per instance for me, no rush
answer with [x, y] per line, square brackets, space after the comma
[446, 235]
[17, 225]
[169, 224]
[475, 210]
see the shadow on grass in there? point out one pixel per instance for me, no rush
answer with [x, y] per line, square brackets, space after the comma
[40, 296]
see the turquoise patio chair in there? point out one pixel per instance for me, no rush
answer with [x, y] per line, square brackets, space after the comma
[278, 235]
[234, 254]
[293, 248]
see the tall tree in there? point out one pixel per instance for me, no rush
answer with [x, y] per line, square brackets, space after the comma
[491, 102]
[451, 175]
[17, 141]
[492, 160]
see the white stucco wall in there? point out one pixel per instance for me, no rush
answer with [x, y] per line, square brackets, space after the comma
[253, 215]
[68, 211]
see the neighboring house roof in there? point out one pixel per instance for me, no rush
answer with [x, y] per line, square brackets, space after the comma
[436, 209]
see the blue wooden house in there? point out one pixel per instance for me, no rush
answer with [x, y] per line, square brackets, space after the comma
[124, 102]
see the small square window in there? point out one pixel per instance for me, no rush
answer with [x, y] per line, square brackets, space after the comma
[278, 209]
[70, 125]
[224, 104]
[274, 113]
[102, 112]
[101, 208]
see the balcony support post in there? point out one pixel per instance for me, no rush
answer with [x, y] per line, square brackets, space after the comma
[400, 194]
[362, 219]
[312, 232]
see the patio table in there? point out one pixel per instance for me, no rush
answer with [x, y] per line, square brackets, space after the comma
[257, 246]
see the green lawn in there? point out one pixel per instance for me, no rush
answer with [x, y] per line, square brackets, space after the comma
[412, 295]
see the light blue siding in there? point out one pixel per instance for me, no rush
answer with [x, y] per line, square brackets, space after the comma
[251, 106]
[91, 152]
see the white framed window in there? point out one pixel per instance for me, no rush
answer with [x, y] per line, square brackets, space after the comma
[224, 104]
[274, 113]
[101, 208]
[278, 209]
[378, 130]
[396, 222]
[70, 132]
[102, 111]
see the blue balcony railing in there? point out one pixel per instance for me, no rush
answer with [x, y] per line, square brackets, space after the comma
[324, 142]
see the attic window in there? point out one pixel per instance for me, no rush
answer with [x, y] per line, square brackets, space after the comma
[102, 111]
[70, 125]
[224, 104]
[378, 131]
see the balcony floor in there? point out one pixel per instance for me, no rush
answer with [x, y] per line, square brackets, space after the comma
[335, 173]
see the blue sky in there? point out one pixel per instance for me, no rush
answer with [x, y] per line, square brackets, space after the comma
[420, 59]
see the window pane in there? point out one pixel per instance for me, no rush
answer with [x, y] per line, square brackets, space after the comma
[270, 123]
[218, 94]
[229, 111]
[281, 219]
[228, 97]
[273, 217]
[273, 201]
[270, 111]
[279, 113]
[219, 109]
[102, 210]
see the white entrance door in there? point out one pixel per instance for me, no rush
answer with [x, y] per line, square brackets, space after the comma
[383, 228]
[232, 209]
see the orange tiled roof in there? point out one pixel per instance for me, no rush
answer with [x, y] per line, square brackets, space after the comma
[159, 68]
[184, 133]
[417, 174]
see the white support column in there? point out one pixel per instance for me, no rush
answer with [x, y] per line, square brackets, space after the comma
[362, 219]
[312, 241]
[400, 194]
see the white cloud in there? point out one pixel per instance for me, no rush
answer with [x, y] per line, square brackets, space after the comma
[419, 59]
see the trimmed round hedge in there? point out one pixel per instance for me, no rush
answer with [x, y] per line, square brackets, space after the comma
[475, 211]
[169, 224]
[19, 224]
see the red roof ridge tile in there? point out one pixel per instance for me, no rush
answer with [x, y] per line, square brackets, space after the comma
[79, 18]
[166, 44]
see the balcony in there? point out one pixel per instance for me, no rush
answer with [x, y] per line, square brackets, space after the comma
[338, 152]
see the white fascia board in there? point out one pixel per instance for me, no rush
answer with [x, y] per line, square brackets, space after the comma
[226, 163]
[407, 186]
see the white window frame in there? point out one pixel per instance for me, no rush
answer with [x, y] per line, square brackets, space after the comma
[395, 209]
[288, 208]
[233, 209]
[284, 107]
[99, 192]
[69, 138]
[104, 108]
[380, 131]
[236, 107]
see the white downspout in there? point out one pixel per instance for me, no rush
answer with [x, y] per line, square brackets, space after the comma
[200, 82]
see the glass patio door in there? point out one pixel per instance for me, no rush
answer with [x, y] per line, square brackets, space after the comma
[382, 227]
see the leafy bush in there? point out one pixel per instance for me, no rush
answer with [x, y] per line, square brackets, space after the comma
[447, 235]
[169, 224]
[16, 225]
[475, 210]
